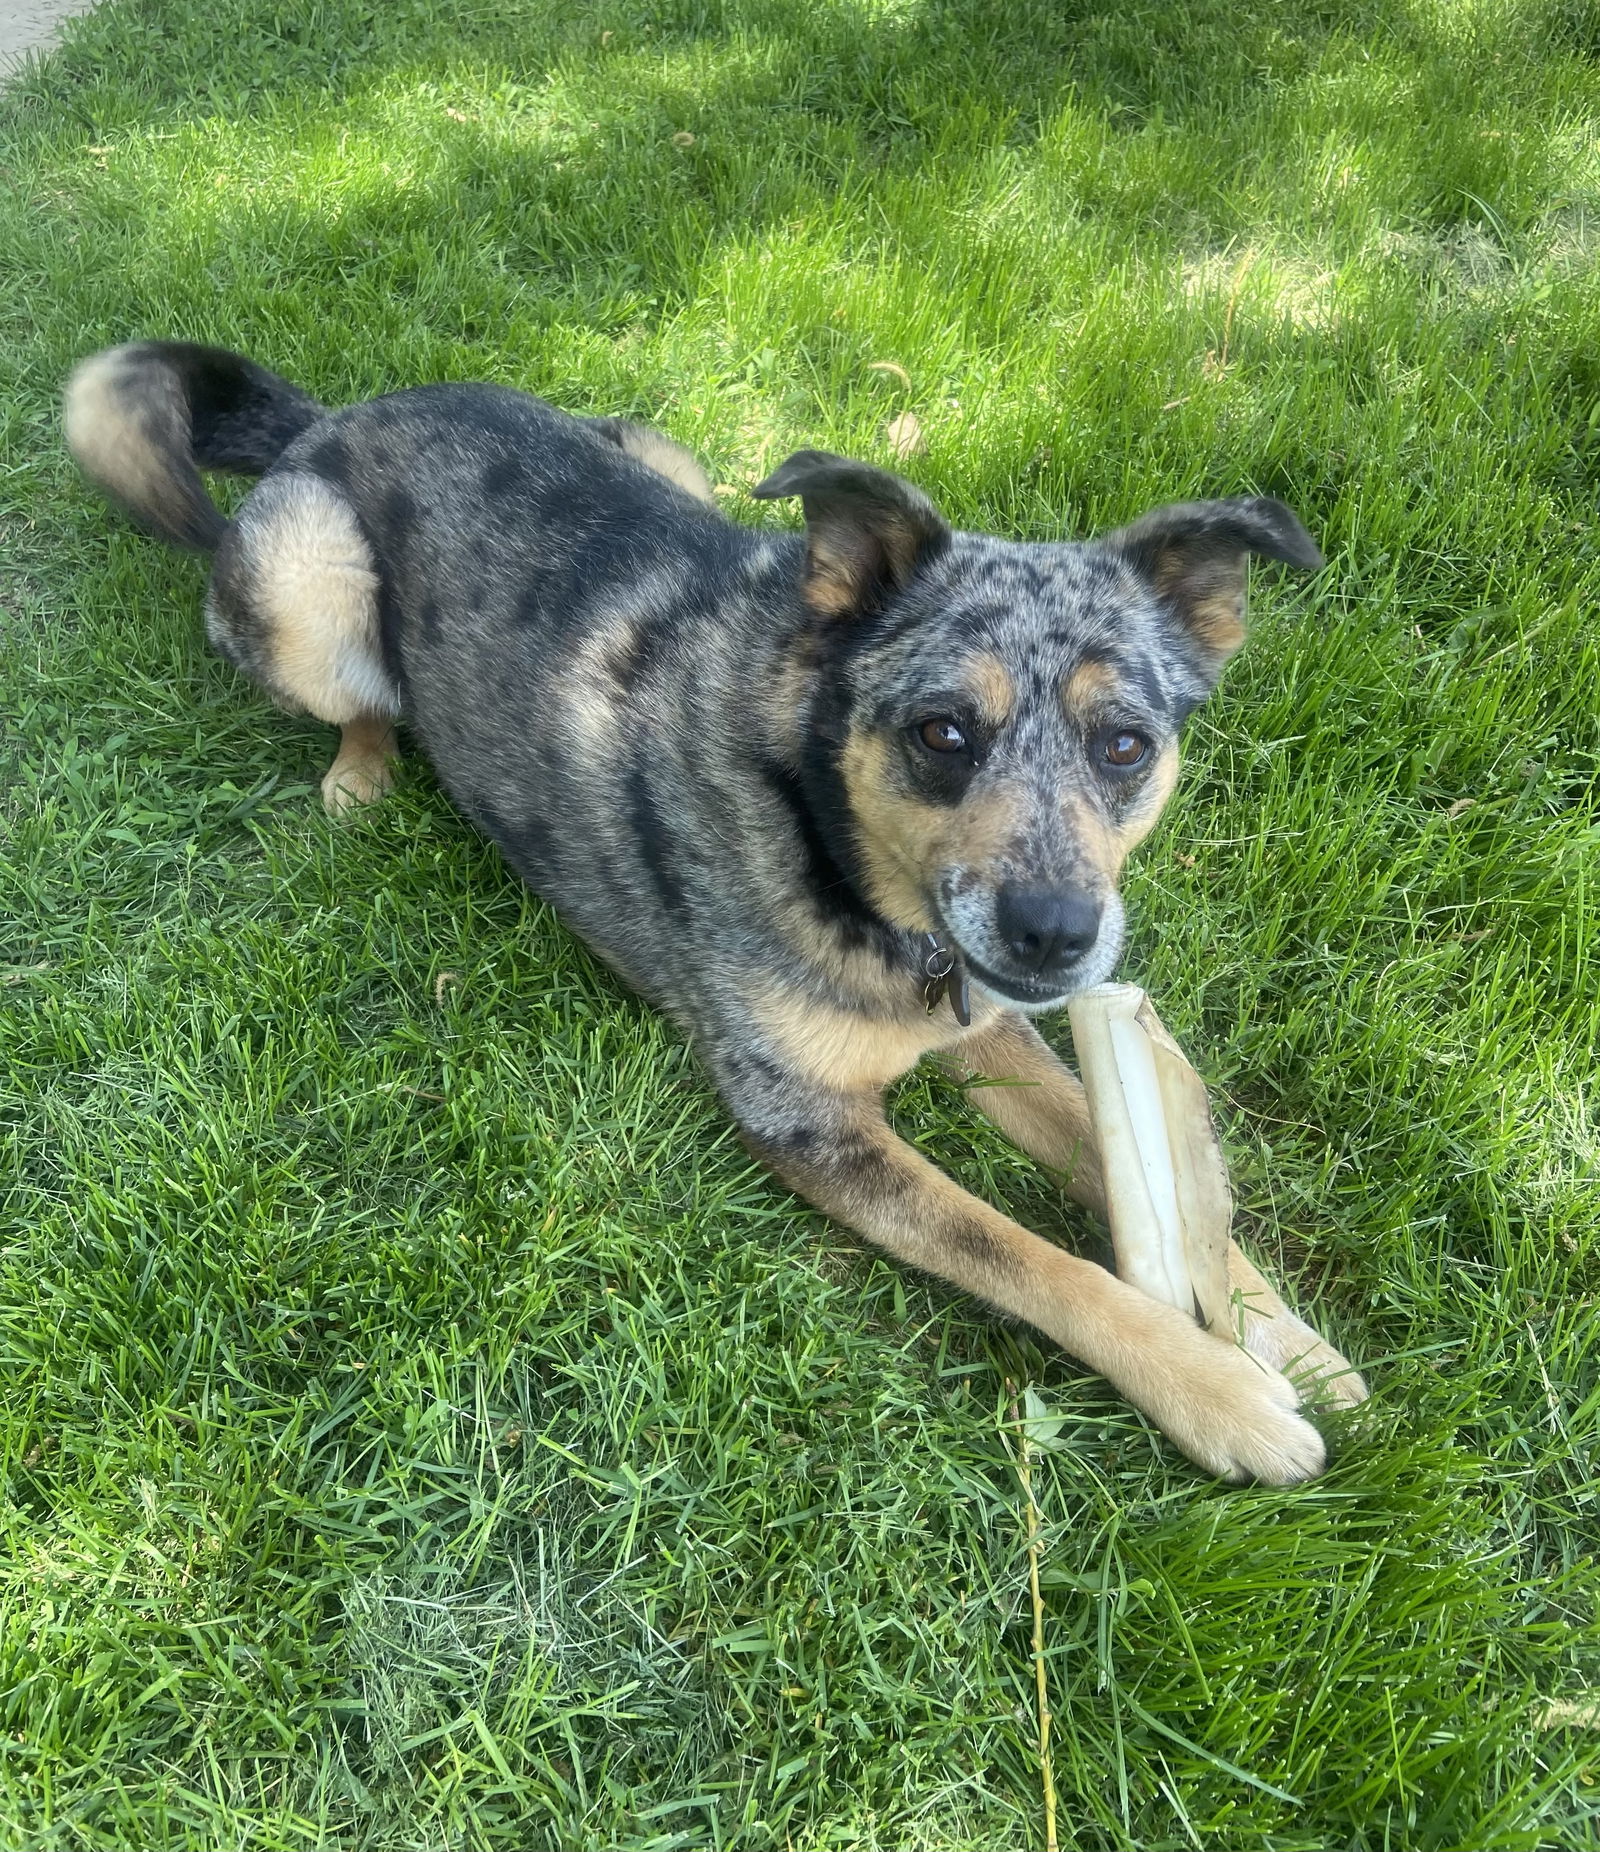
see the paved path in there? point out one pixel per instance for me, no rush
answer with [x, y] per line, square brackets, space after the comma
[26, 24]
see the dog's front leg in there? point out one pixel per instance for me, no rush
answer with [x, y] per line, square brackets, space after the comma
[1228, 1412]
[1040, 1105]
[1015, 1078]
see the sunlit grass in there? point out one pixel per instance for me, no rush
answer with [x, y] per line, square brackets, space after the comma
[424, 1428]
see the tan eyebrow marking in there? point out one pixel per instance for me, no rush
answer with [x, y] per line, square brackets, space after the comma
[992, 684]
[1088, 688]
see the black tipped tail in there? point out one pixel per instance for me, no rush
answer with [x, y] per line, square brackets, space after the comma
[143, 420]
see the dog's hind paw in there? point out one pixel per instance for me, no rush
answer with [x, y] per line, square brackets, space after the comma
[364, 769]
[349, 788]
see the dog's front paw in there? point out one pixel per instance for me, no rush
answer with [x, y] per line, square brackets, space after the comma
[1288, 1344]
[1229, 1413]
[1256, 1432]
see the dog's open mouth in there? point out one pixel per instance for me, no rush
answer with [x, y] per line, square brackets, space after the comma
[1019, 990]
[1026, 991]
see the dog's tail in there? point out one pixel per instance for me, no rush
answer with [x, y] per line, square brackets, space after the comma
[142, 421]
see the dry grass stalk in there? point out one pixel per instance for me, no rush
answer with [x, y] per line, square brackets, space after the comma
[1024, 1463]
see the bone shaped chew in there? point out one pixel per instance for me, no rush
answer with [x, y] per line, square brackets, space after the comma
[1167, 1193]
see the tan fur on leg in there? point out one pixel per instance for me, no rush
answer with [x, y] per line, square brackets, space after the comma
[1040, 1105]
[363, 770]
[294, 602]
[1224, 1409]
[1034, 1099]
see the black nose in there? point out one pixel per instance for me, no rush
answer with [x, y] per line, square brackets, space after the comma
[1047, 929]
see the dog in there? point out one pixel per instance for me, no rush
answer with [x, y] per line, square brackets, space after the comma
[834, 801]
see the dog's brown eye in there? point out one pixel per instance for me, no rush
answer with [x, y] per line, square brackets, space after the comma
[942, 736]
[1125, 749]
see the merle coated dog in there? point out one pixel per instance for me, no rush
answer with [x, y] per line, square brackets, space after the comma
[835, 801]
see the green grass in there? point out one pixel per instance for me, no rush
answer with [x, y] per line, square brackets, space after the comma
[422, 1426]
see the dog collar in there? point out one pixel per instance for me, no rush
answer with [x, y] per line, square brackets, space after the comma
[945, 975]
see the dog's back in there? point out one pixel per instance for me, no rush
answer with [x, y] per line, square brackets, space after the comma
[579, 640]
[578, 644]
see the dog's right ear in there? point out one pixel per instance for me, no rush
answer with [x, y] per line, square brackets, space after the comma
[867, 531]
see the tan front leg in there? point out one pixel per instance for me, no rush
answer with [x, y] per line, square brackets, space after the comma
[1270, 1331]
[1039, 1104]
[363, 769]
[1018, 1081]
[1233, 1415]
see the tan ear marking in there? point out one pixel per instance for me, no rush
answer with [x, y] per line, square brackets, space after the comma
[867, 531]
[835, 577]
[1211, 594]
[1194, 555]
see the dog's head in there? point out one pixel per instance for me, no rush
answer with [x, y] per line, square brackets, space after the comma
[995, 725]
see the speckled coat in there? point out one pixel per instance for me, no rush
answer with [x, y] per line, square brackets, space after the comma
[768, 776]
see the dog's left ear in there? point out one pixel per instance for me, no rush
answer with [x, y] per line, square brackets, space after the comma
[867, 532]
[1195, 554]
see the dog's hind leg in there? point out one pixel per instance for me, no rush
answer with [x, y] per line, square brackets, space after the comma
[1040, 1105]
[363, 768]
[293, 603]
[656, 452]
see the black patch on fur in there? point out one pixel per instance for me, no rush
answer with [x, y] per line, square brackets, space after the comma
[863, 1169]
[828, 882]
[389, 621]
[975, 1241]
[637, 654]
[655, 840]
[505, 476]
[787, 1150]
[526, 842]
[1142, 677]
[826, 801]
[328, 457]
[898, 619]
[397, 515]
[744, 1066]
[622, 657]
[242, 418]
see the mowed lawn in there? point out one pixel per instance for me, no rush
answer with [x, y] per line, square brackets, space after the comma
[423, 1426]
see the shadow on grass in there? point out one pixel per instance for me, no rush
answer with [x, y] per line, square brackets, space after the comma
[613, 154]
[374, 197]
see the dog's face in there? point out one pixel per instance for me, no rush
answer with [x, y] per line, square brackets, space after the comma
[996, 725]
